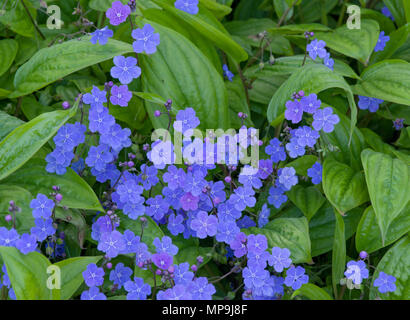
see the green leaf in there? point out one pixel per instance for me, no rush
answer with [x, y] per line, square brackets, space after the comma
[368, 237]
[56, 62]
[23, 142]
[339, 252]
[291, 233]
[8, 51]
[355, 43]
[76, 192]
[151, 97]
[71, 274]
[299, 29]
[219, 10]
[388, 181]
[27, 273]
[396, 7]
[103, 5]
[344, 187]
[388, 80]
[237, 102]
[209, 27]
[308, 200]
[16, 18]
[8, 124]
[302, 164]
[312, 292]
[179, 71]
[395, 262]
[385, 23]
[312, 79]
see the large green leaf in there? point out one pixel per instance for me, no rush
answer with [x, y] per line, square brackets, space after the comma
[308, 200]
[179, 71]
[291, 233]
[23, 142]
[207, 25]
[339, 252]
[368, 237]
[27, 273]
[76, 192]
[312, 78]
[388, 181]
[17, 19]
[387, 80]
[355, 43]
[396, 7]
[71, 274]
[8, 51]
[8, 124]
[395, 262]
[53, 63]
[344, 187]
[312, 292]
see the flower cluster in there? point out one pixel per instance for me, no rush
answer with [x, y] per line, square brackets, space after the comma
[316, 48]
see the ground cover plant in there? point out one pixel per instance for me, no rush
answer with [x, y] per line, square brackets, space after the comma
[198, 150]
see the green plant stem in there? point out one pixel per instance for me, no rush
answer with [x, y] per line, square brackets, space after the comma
[33, 21]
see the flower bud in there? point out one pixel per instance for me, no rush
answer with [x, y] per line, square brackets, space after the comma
[65, 105]
[8, 218]
[228, 179]
[109, 265]
[194, 268]
[363, 254]
[59, 197]
[157, 113]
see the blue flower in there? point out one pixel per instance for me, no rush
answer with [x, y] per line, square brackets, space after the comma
[238, 245]
[137, 289]
[142, 254]
[162, 260]
[385, 283]
[27, 243]
[306, 136]
[315, 172]
[263, 217]
[257, 243]
[200, 289]
[120, 95]
[93, 276]
[112, 243]
[148, 177]
[227, 73]
[189, 6]
[294, 111]
[146, 40]
[277, 197]
[245, 222]
[317, 48]
[250, 180]
[93, 294]
[381, 42]
[42, 206]
[101, 35]
[258, 260]
[118, 13]
[182, 274]
[96, 98]
[8, 238]
[254, 277]
[287, 177]
[296, 277]
[125, 69]
[242, 197]
[99, 157]
[173, 196]
[43, 229]
[204, 225]
[185, 120]
[165, 245]
[70, 135]
[175, 224]
[117, 138]
[227, 231]
[328, 61]
[372, 104]
[266, 167]
[310, 103]
[175, 177]
[110, 172]
[100, 120]
[228, 212]
[325, 119]
[178, 292]
[294, 148]
[120, 275]
[129, 191]
[157, 207]
[280, 259]
[386, 12]
[194, 183]
[131, 242]
[356, 271]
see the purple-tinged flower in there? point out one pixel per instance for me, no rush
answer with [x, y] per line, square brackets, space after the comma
[93, 294]
[315, 172]
[204, 225]
[185, 120]
[162, 260]
[398, 124]
[165, 245]
[372, 104]
[8, 238]
[182, 274]
[227, 73]
[118, 13]
[175, 177]
[287, 177]
[200, 289]
[385, 283]
[227, 231]
[325, 119]
[306, 136]
[238, 245]
[356, 271]
[146, 40]
[175, 224]
[294, 148]
[277, 197]
[43, 229]
[328, 61]
[120, 275]
[275, 150]
[280, 259]
[93, 276]
[131, 242]
[254, 277]
[296, 277]
[317, 48]
[381, 42]
[310, 103]
[263, 217]
[137, 289]
[112, 243]
[189, 6]
[142, 254]
[294, 111]
[70, 135]
[42, 206]
[100, 121]
[27, 243]
[265, 168]
[99, 157]
[178, 292]
[386, 12]
[120, 96]
[96, 98]
[101, 36]
[257, 243]
[125, 69]
[242, 198]
[189, 202]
